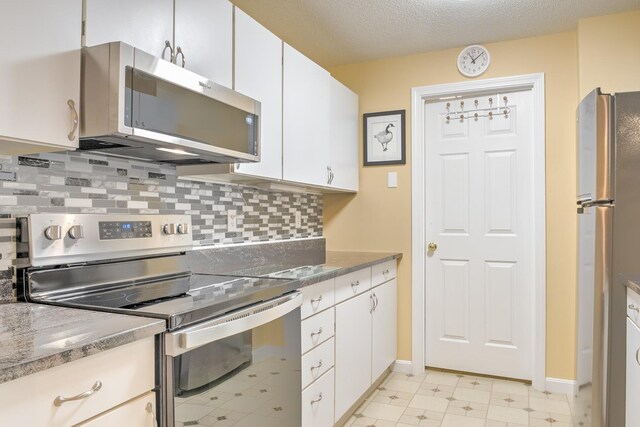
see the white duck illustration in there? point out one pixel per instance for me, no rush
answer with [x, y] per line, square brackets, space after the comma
[385, 136]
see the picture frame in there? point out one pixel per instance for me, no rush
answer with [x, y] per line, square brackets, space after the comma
[384, 138]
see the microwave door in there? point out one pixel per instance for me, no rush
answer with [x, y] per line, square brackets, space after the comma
[595, 149]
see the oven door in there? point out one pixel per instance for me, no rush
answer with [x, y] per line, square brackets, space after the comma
[243, 368]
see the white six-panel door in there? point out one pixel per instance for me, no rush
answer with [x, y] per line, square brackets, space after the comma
[479, 280]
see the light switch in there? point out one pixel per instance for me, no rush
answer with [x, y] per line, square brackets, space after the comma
[392, 179]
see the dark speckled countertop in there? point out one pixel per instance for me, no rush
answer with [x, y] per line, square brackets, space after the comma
[35, 337]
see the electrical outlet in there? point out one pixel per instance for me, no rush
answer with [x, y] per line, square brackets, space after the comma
[298, 219]
[232, 221]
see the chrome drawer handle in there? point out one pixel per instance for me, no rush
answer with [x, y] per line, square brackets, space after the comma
[314, 300]
[355, 284]
[317, 400]
[149, 409]
[318, 366]
[175, 58]
[638, 356]
[316, 333]
[74, 118]
[386, 272]
[634, 307]
[167, 45]
[58, 401]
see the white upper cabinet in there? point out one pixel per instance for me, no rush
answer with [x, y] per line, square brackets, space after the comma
[145, 24]
[204, 38]
[306, 122]
[39, 75]
[344, 138]
[199, 33]
[258, 74]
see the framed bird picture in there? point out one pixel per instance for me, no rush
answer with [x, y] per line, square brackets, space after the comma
[384, 142]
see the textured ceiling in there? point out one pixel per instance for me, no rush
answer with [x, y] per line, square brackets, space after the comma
[333, 32]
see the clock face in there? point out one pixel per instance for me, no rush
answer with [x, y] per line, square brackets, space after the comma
[473, 60]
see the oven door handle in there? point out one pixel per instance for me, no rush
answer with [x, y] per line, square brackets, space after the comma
[177, 343]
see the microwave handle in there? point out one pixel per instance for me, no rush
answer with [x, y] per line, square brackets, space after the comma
[177, 343]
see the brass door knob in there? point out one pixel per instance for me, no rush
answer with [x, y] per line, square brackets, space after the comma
[432, 246]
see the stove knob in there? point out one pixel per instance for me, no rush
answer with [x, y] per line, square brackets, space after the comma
[183, 228]
[53, 232]
[169, 229]
[76, 232]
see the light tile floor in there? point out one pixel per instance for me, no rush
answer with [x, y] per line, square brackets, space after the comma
[441, 399]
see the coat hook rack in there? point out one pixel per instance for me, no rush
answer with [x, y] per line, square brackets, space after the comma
[476, 113]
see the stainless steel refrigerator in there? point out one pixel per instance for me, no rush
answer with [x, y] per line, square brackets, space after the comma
[608, 250]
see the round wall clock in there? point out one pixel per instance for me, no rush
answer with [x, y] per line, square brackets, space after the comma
[473, 60]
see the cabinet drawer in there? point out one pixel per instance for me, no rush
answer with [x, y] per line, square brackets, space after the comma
[316, 298]
[139, 412]
[383, 272]
[317, 402]
[633, 306]
[317, 329]
[125, 372]
[352, 284]
[317, 362]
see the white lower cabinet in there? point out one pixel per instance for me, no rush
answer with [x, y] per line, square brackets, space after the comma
[633, 374]
[114, 376]
[317, 402]
[385, 315]
[346, 347]
[353, 351]
[365, 340]
[139, 412]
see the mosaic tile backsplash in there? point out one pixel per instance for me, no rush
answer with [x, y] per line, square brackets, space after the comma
[90, 183]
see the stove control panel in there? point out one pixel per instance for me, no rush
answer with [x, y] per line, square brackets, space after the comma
[75, 238]
[110, 230]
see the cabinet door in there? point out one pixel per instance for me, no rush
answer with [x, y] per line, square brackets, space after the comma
[384, 341]
[258, 74]
[145, 24]
[353, 351]
[344, 137]
[39, 74]
[306, 124]
[633, 375]
[204, 33]
[139, 412]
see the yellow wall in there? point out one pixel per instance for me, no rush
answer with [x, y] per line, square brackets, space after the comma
[609, 53]
[379, 219]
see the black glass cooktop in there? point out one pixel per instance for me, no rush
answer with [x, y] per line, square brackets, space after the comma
[186, 299]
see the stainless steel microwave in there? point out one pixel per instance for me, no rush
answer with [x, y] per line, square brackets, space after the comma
[139, 106]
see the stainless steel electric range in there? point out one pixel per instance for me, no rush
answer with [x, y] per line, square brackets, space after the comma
[232, 345]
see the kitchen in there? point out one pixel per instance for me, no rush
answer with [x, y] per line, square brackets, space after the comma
[376, 219]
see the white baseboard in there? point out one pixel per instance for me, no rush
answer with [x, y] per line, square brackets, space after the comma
[402, 366]
[558, 385]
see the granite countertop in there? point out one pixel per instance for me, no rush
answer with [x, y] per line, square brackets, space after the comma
[35, 337]
[340, 263]
[634, 285]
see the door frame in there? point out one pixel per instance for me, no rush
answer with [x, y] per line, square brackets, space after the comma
[419, 96]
